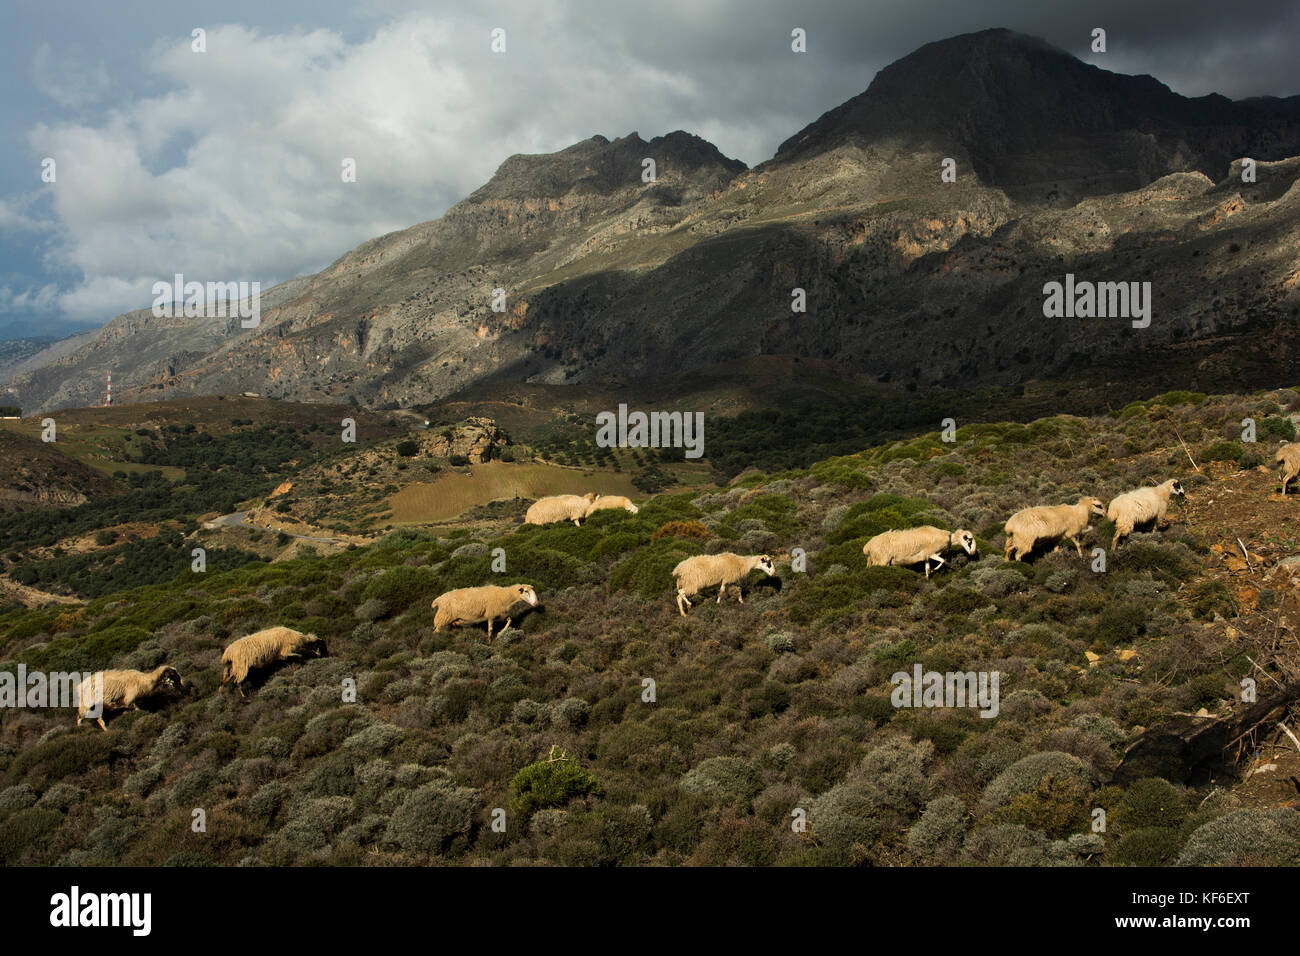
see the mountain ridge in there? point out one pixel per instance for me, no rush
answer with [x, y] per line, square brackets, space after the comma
[606, 275]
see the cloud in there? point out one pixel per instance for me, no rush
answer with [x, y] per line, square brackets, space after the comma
[40, 301]
[69, 82]
[233, 173]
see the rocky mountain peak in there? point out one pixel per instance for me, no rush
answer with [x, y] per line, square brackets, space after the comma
[602, 166]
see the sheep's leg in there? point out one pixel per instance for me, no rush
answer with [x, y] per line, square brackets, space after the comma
[938, 563]
[102, 725]
[1285, 479]
[682, 602]
[722, 589]
[240, 687]
[504, 629]
[740, 594]
[1077, 547]
[489, 622]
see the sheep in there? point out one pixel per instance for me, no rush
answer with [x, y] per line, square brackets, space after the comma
[611, 501]
[1139, 506]
[914, 545]
[1288, 463]
[475, 605]
[705, 570]
[264, 648]
[109, 691]
[1028, 527]
[560, 508]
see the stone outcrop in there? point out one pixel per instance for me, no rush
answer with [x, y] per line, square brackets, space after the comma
[475, 438]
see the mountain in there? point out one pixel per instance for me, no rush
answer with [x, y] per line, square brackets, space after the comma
[1061, 168]
[1029, 117]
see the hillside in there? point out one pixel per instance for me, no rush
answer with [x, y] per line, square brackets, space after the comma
[910, 281]
[759, 710]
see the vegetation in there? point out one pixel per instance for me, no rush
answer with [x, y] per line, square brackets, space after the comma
[605, 729]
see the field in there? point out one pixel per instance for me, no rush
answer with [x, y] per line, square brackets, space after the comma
[455, 493]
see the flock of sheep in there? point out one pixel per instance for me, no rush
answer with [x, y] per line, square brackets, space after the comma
[1025, 530]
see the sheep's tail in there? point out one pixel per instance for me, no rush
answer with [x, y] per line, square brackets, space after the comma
[227, 670]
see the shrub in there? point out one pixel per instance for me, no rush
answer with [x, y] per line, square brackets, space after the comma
[782, 642]
[573, 711]
[431, 816]
[550, 783]
[1245, 838]
[1057, 805]
[1148, 846]
[1152, 802]
[846, 815]
[682, 529]
[723, 778]
[371, 610]
[26, 829]
[1024, 776]
[937, 837]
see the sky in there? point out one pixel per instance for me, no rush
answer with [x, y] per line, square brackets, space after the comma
[225, 164]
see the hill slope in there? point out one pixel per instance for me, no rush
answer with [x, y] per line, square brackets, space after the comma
[760, 709]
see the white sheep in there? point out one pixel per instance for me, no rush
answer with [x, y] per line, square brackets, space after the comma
[1288, 463]
[560, 508]
[611, 501]
[264, 648]
[907, 546]
[109, 691]
[476, 605]
[1026, 528]
[1139, 506]
[705, 570]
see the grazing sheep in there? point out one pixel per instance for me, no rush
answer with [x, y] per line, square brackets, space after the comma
[475, 605]
[611, 501]
[560, 508]
[705, 570]
[914, 545]
[121, 690]
[1029, 526]
[1288, 463]
[1139, 506]
[264, 648]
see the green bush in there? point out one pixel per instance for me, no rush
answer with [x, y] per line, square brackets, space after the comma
[1151, 802]
[551, 783]
[649, 572]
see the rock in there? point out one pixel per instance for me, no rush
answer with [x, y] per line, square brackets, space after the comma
[1093, 659]
[1127, 654]
[474, 438]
